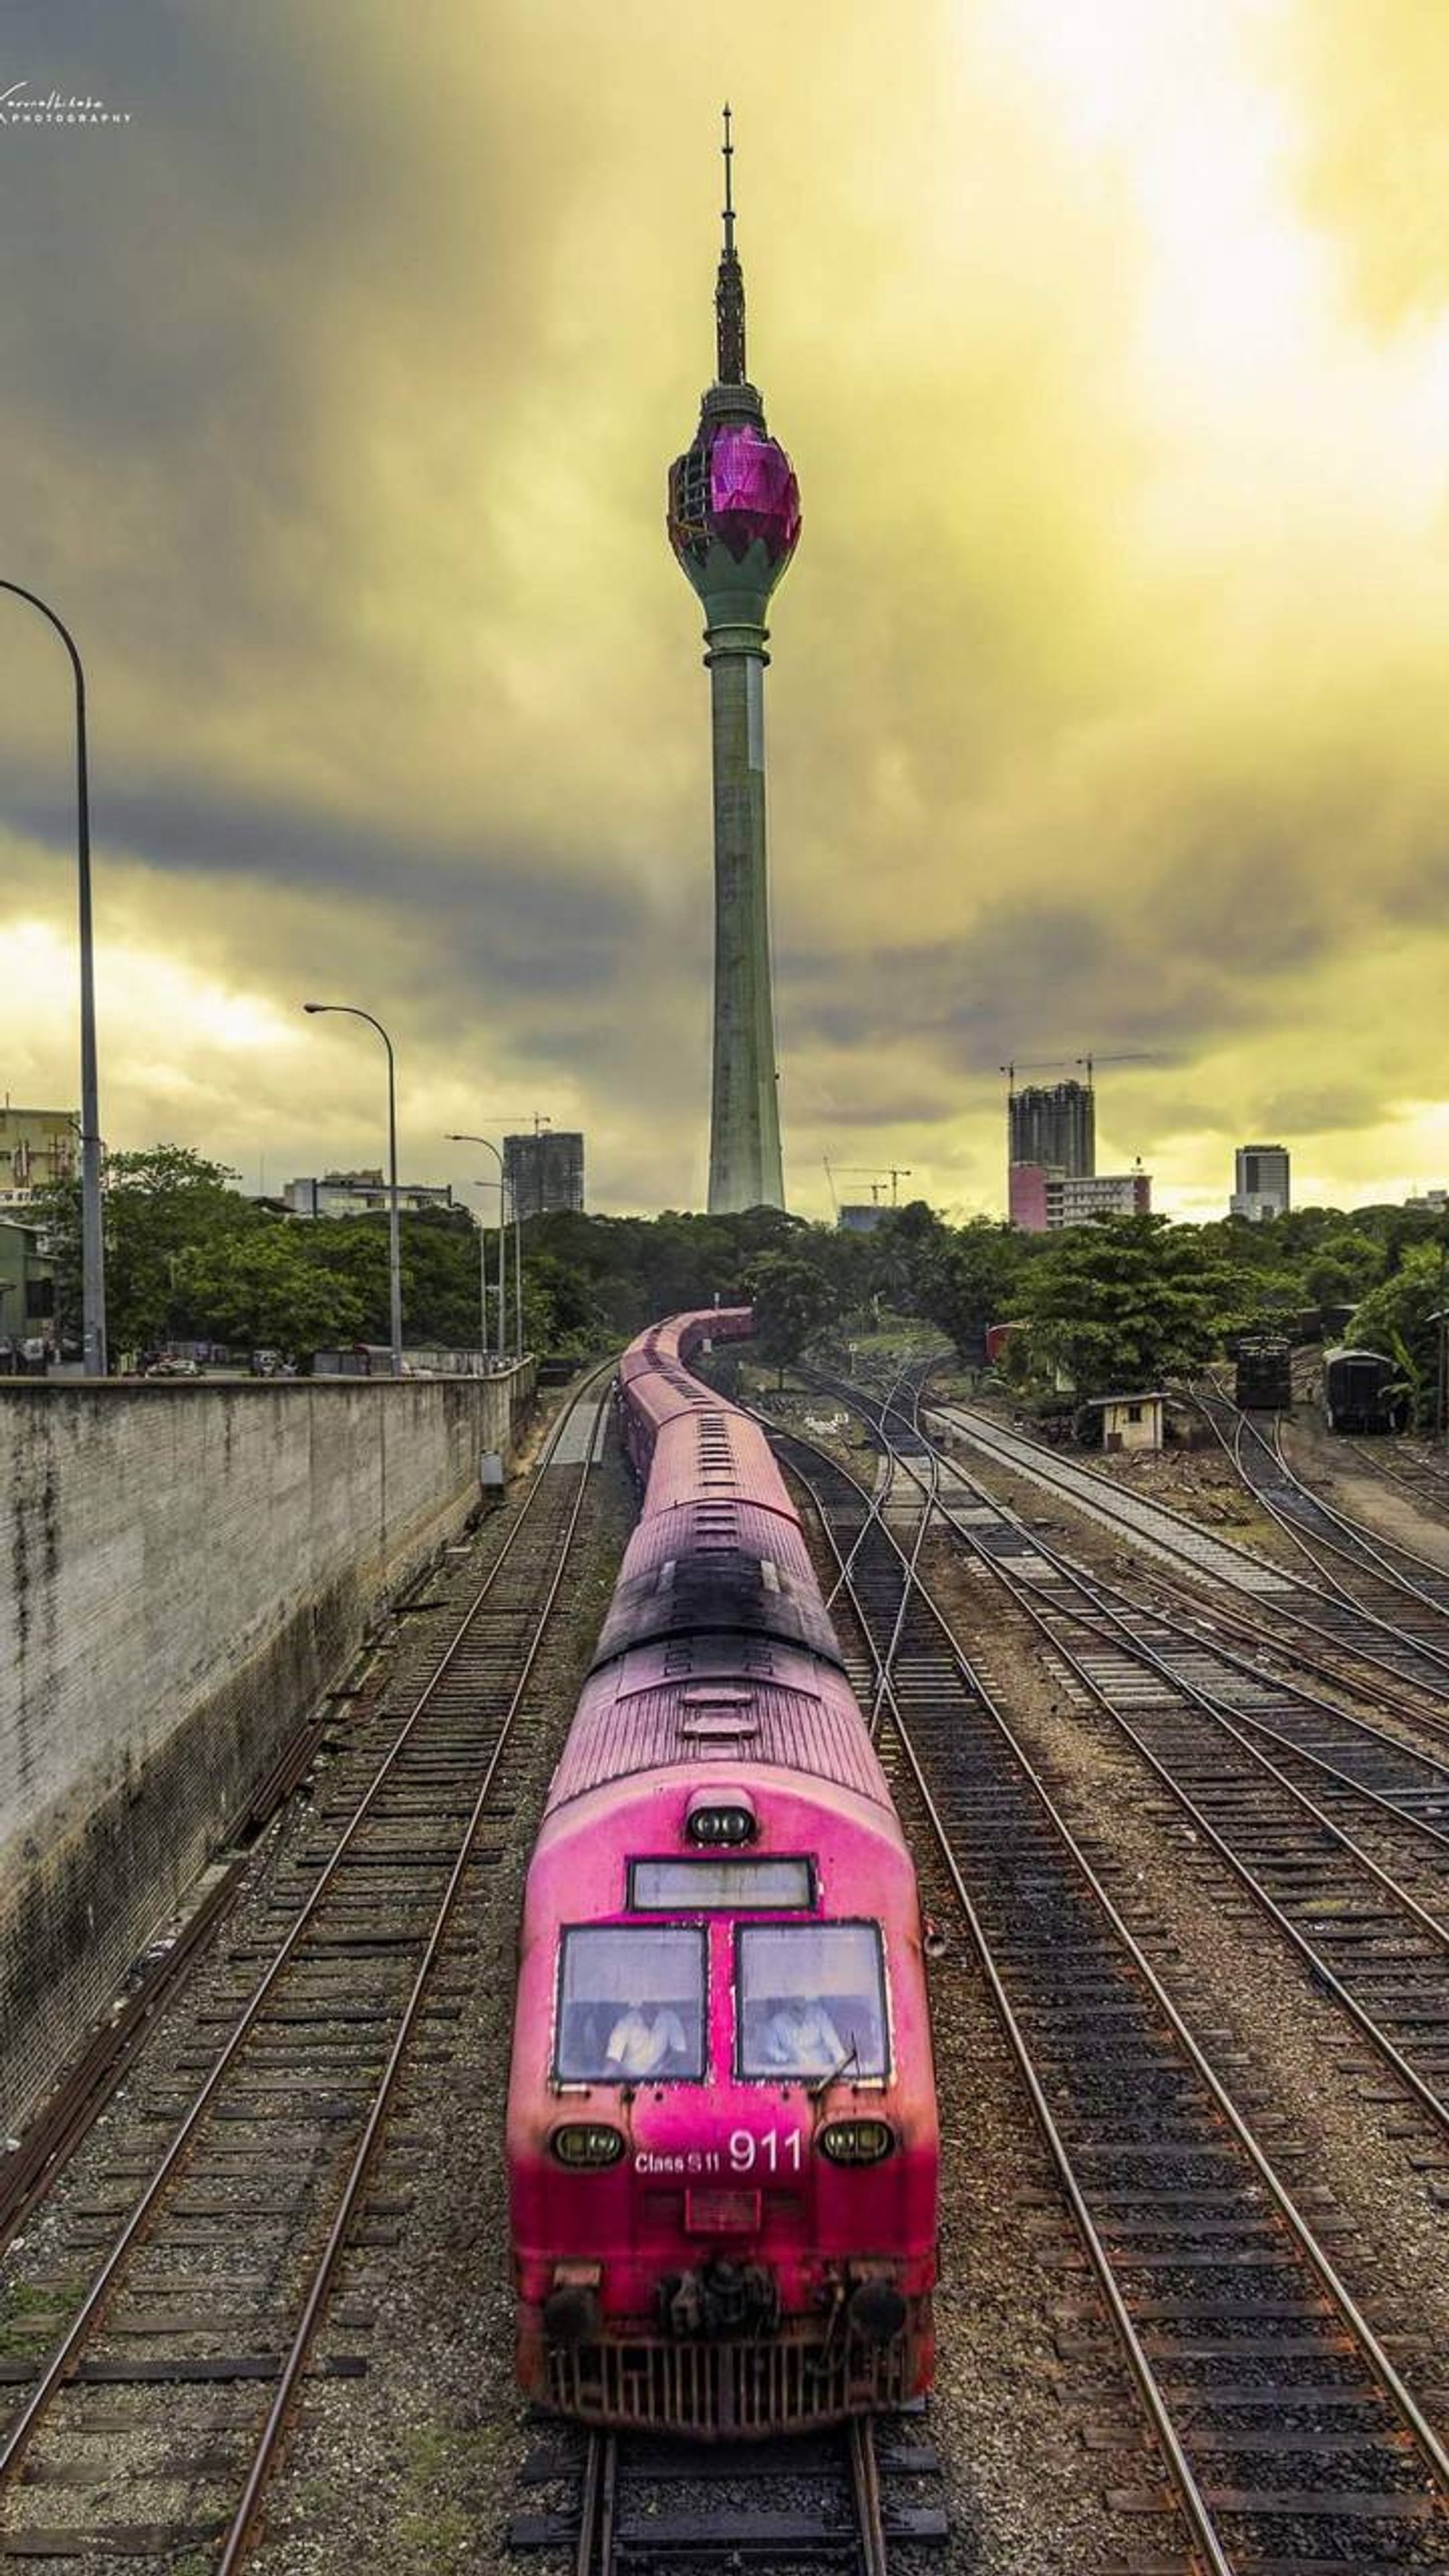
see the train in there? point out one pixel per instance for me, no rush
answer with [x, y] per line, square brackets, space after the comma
[722, 2132]
[1264, 1372]
[1363, 1391]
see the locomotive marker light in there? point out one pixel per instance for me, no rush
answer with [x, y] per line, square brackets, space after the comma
[587, 2143]
[856, 2142]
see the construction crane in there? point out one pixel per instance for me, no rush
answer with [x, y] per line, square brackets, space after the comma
[1134, 1055]
[1033, 1064]
[894, 1172]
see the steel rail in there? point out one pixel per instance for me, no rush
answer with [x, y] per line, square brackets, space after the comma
[1104, 1619]
[1041, 1468]
[1279, 1658]
[589, 2555]
[1091, 1617]
[1426, 1720]
[1116, 1603]
[243, 2521]
[1193, 2503]
[1381, 2367]
[1366, 1541]
[1374, 1543]
[90, 2313]
[866, 2496]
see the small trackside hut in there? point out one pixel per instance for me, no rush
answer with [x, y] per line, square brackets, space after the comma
[722, 2133]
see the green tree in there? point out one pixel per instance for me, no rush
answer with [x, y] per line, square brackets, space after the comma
[970, 1281]
[159, 1204]
[259, 1288]
[1123, 1303]
[1399, 1318]
[793, 1301]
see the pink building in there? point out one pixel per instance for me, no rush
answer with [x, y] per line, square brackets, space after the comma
[1041, 1201]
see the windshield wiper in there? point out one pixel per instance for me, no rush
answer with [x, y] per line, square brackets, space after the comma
[823, 2083]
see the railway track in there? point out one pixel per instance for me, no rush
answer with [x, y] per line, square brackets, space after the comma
[1414, 1471]
[193, 2300]
[642, 2506]
[1286, 2437]
[1338, 1831]
[1372, 1576]
[1317, 1622]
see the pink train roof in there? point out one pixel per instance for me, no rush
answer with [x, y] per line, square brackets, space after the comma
[712, 1526]
[714, 1454]
[785, 1710]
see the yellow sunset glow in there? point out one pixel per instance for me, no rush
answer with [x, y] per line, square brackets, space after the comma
[1110, 339]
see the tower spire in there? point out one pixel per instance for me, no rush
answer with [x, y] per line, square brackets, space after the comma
[729, 293]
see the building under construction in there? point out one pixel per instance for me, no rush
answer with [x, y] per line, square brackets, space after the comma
[1054, 1126]
[545, 1174]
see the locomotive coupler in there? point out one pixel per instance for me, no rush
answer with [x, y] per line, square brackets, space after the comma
[720, 2299]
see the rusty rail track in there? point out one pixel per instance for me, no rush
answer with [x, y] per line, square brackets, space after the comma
[273, 2149]
[1282, 2425]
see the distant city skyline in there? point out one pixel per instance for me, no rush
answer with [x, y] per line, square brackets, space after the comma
[1116, 379]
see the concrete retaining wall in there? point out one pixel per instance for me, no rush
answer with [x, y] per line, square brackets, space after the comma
[182, 1569]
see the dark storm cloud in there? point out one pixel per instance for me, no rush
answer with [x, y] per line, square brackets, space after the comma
[337, 394]
[526, 920]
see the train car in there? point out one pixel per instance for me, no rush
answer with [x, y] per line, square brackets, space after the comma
[722, 2136]
[1264, 1374]
[1363, 1391]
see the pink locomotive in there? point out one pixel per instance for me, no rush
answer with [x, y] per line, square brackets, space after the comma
[722, 2137]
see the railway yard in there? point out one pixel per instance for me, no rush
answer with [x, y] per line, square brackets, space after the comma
[1176, 1780]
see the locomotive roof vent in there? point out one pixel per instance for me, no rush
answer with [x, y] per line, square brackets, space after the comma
[716, 1817]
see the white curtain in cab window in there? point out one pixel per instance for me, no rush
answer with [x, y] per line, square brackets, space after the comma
[811, 1999]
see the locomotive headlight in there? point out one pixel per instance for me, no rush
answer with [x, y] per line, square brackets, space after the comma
[856, 2142]
[718, 1825]
[587, 2143]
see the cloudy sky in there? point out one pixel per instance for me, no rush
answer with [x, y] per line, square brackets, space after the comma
[1110, 700]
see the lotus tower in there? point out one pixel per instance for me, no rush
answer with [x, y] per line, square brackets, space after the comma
[734, 521]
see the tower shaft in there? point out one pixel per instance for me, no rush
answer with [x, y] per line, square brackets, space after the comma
[744, 1140]
[734, 520]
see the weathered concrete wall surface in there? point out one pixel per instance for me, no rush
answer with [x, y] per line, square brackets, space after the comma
[182, 1569]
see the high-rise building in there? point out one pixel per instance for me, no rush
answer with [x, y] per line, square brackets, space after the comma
[545, 1173]
[734, 519]
[1261, 1182]
[1054, 1125]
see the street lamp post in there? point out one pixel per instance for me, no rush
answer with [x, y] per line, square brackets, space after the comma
[517, 1263]
[541, 1119]
[460, 1136]
[394, 1239]
[93, 1251]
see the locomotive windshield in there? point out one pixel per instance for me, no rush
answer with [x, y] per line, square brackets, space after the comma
[811, 1999]
[631, 2004]
[677, 1886]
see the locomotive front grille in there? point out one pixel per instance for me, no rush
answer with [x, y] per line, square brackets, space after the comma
[785, 2384]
